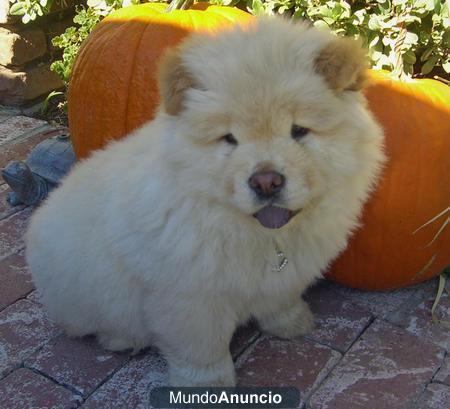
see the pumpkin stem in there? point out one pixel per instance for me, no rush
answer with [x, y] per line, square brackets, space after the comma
[398, 66]
[438, 78]
[179, 5]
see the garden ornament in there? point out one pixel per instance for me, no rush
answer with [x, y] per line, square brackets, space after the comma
[45, 166]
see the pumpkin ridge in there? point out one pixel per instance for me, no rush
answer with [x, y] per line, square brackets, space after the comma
[105, 48]
[81, 58]
[86, 57]
[99, 30]
[218, 12]
[130, 79]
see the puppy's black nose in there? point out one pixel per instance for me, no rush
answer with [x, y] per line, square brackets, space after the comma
[266, 184]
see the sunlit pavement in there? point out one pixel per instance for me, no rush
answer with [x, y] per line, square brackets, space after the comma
[368, 350]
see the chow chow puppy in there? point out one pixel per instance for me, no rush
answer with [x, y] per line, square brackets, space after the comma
[224, 208]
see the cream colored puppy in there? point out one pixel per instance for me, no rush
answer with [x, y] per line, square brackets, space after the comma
[172, 237]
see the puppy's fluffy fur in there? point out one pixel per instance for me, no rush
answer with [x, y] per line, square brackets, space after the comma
[153, 240]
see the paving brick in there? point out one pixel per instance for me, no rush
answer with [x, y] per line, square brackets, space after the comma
[417, 320]
[6, 209]
[24, 327]
[26, 389]
[7, 112]
[276, 362]
[35, 297]
[338, 323]
[130, 387]
[436, 396]
[16, 126]
[12, 230]
[386, 368]
[79, 363]
[15, 279]
[443, 375]
[378, 303]
[242, 338]
[20, 147]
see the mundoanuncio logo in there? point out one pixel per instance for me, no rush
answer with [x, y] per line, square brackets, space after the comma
[240, 397]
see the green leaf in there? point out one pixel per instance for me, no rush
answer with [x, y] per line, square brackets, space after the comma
[376, 55]
[320, 24]
[429, 64]
[409, 18]
[17, 9]
[325, 11]
[257, 7]
[386, 41]
[386, 61]
[330, 21]
[411, 38]
[360, 14]
[374, 41]
[374, 23]
[408, 68]
[446, 38]
[426, 54]
[424, 4]
[446, 67]
[429, 5]
[384, 7]
[409, 57]
[52, 94]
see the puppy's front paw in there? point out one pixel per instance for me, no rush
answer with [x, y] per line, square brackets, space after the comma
[289, 323]
[216, 374]
[115, 343]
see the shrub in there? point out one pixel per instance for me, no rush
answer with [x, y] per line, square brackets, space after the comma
[86, 18]
[31, 9]
[419, 28]
[70, 41]
[412, 36]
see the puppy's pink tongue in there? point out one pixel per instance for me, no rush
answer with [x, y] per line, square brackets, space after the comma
[273, 217]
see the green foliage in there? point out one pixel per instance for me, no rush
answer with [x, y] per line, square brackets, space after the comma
[70, 41]
[380, 24]
[85, 20]
[418, 29]
[31, 9]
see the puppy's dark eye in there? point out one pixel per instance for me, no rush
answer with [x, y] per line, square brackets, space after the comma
[229, 139]
[298, 132]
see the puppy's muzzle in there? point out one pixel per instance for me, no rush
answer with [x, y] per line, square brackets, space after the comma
[267, 184]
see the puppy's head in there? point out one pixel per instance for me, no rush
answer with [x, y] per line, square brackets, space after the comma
[267, 119]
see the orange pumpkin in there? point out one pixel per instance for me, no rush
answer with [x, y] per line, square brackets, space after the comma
[112, 88]
[395, 246]
[113, 91]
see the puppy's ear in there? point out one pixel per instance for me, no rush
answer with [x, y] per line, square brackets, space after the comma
[173, 81]
[343, 63]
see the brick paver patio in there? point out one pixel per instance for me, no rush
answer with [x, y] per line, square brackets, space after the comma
[368, 350]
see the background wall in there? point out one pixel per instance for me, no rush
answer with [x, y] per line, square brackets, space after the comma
[26, 53]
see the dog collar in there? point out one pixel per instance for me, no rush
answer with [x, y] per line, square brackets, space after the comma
[282, 261]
